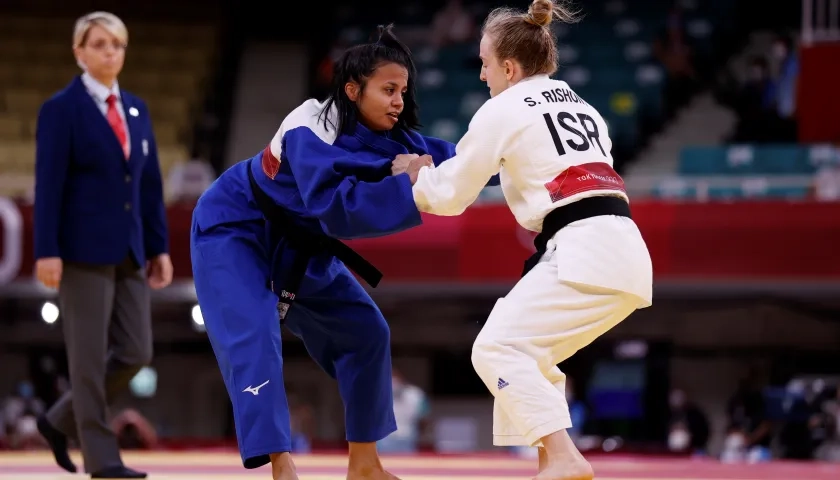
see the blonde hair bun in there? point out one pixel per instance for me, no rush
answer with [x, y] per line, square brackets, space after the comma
[542, 12]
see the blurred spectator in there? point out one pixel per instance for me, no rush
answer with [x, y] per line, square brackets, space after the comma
[749, 433]
[19, 418]
[766, 101]
[688, 430]
[795, 437]
[133, 430]
[452, 25]
[411, 409]
[825, 424]
[675, 55]
[754, 103]
[826, 186]
[827, 183]
[786, 65]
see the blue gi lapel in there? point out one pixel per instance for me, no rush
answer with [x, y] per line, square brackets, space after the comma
[380, 142]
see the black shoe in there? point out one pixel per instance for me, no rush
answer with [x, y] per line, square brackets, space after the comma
[118, 472]
[58, 444]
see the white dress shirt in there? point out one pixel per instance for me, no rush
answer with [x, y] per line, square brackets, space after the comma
[100, 94]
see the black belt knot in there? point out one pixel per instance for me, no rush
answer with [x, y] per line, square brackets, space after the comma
[306, 244]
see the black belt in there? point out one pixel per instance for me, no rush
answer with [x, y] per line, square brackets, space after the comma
[563, 216]
[307, 244]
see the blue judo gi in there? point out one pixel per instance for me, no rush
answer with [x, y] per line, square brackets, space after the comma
[331, 185]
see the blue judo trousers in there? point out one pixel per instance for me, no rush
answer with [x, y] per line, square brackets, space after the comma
[332, 185]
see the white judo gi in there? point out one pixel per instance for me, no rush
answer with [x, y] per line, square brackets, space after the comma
[550, 148]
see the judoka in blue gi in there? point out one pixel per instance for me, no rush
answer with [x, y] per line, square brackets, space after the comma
[264, 238]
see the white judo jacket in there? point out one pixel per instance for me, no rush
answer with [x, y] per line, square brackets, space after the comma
[550, 148]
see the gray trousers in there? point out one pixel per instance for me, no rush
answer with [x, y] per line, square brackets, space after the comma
[106, 317]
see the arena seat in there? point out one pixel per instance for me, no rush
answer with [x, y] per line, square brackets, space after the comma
[168, 65]
[748, 171]
[780, 159]
[747, 191]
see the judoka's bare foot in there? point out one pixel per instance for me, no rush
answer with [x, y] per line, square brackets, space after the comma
[370, 474]
[365, 463]
[282, 467]
[567, 472]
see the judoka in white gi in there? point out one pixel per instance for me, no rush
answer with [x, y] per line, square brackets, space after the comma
[592, 268]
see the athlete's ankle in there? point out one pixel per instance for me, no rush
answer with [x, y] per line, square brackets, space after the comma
[558, 447]
[364, 457]
[282, 466]
[281, 458]
[542, 459]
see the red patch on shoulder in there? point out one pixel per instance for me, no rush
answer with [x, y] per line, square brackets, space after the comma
[270, 163]
[583, 178]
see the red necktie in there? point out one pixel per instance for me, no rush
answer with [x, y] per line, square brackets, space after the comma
[117, 124]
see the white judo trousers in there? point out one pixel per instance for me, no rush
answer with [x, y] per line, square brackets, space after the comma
[594, 274]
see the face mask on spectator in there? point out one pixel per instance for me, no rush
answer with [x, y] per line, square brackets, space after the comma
[678, 439]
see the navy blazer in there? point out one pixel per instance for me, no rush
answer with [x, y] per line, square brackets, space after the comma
[91, 204]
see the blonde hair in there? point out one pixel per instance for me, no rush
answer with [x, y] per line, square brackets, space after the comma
[110, 22]
[526, 36]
